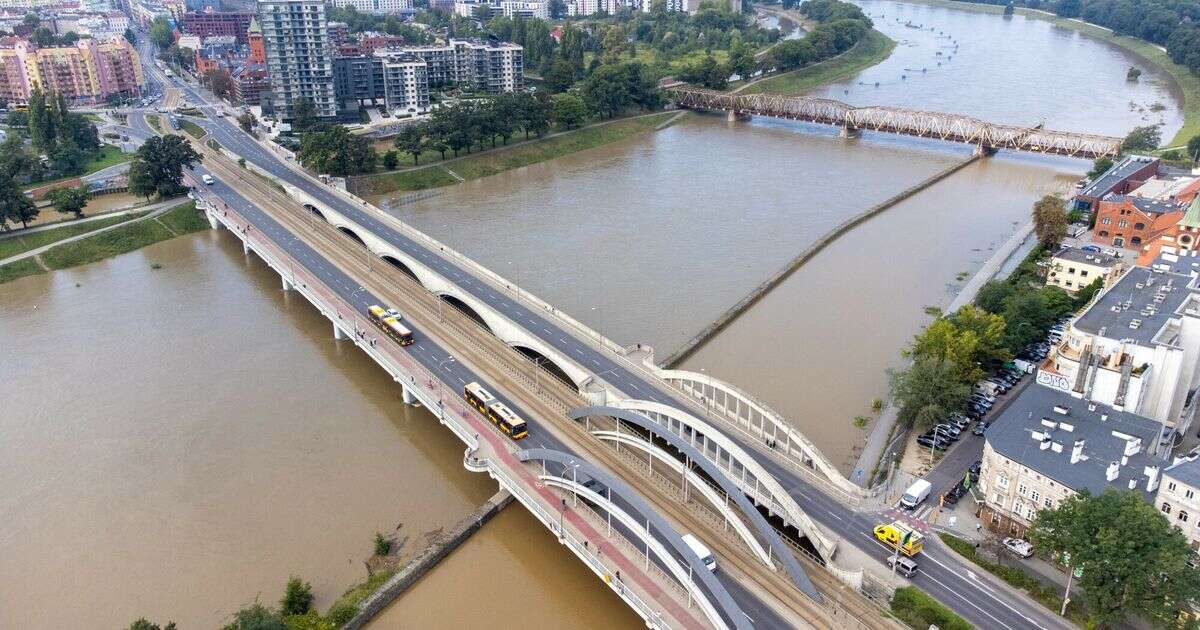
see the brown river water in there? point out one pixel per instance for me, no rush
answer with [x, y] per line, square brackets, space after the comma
[176, 442]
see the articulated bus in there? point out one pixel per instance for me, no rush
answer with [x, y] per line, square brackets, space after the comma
[388, 320]
[510, 423]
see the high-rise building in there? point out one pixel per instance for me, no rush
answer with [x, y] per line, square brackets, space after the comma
[405, 82]
[299, 56]
[85, 73]
[209, 23]
[489, 66]
[378, 7]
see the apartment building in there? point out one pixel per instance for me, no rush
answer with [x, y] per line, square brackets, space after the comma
[1137, 347]
[521, 9]
[1072, 269]
[208, 23]
[86, 73]
[1178, 498]
[1047, 446]
[394, 79]
[1127, 174]
[487, 66]
[299, 55]
[378, 7]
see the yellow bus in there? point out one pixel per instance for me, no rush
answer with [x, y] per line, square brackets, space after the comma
[510, 423]
[479, 397]
[388, 320]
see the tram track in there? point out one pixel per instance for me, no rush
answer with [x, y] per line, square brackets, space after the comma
[546, 398]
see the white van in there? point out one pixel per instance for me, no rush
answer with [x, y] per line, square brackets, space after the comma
[915, 494]
[706, 556]
[208, 179]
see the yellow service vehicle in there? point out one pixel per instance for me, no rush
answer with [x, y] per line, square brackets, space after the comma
[897, 534]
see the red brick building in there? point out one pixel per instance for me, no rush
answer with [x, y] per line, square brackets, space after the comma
[1130, 221]
[208, 22]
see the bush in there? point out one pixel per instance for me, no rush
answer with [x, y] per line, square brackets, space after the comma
[383, 546]
[297, 597]
[340, 613]
[920, 611]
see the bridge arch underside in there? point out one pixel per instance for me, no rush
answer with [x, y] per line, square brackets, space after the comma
[466, 309]
[545, 363]
[316, 212]
[352, 234]
[400, 264]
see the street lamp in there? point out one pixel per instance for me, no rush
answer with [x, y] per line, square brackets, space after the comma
[516, 278]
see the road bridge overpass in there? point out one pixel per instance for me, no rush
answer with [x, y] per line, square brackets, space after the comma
[985, 136]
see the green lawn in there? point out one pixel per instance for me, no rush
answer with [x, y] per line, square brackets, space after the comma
[1189, 84]
[192, 128]
[108, 156]
[19, 269]
[124, 239]
[184, 219]
[403, 181]
[14, 245]
[920, 611]
[871, 50]
[155, 122]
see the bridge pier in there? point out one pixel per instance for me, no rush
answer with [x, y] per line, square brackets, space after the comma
[735, 116]
[212, 220]
[409, 398]
[287, 285]
[984, 151]
[850, 132]
[338, 333]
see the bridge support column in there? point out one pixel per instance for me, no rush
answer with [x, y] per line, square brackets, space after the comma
[984, 151]
[409, 397]
[212, 220]
[850, 132]
[734, 116]
[337, 332]
[287, 285]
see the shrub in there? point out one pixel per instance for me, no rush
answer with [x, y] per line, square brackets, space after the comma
[920, 611]
[297, 597]
[383, 546]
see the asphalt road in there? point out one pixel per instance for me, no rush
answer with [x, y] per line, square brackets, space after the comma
[979, 598]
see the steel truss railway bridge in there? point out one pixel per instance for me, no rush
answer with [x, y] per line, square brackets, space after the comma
[986, 137]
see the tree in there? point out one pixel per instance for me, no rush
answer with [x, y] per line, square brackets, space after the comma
[569, 111]
[1084, 296]
[69, 200]
[411, 140]
[219, 81]
[15, 207]
[336, 151]
[297, 597]
[1134, 562]
[256, 617]
[247, 121]
[1193, 148]
[157, 168]
[560, 77]
[143, 624]
[42, 36]
[1145, 138]
[130, 37]
[390, 160]
[161, 33]
[31, 20]
[993, 295]
[304, 114]
[1050, 220]
[41, 122]
[927, 390]
[1099, 167]
[383, 546]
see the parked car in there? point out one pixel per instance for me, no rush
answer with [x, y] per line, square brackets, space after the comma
[929, 442]
[947, 429]
[904, 566]
[975, 468]
[1020, 547]
[980, 428]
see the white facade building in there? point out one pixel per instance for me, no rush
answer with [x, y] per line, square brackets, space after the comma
[487, 66]
[516, 8]
[405, 82]
[1178, 498]
[378, 7]
[299, 55]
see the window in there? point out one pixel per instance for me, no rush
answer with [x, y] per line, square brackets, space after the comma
[995, 518]
[1139, 226]
[1137, 240]
[1083, 273]
[1122, 223]
[1183, 516]
[1029, 512]
[1070, 270]
[1103, 232]
[1046, 503]
[1021, 489]
[1166, 508]
[1034, 496]
[1189, 494]
[1171, 486]
[1106, 221]
[1002, 480]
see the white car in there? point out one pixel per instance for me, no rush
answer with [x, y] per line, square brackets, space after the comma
[1020, 547]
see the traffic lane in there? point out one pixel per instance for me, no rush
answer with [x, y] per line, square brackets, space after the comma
[452, 273]
[441, 364]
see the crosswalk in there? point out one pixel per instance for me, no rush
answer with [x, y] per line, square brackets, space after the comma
[917, 519]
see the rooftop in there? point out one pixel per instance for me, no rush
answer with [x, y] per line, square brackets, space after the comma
[1045, 429]
[1166, 187]
[1184, 263]
[1186, 471]
[1091, 258]
[1115, 175]
[1146, 204]
[1137, 307]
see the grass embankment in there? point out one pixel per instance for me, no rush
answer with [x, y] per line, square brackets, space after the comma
[106, 157]
[1188, 83]
[503, 159]
[178, 221]
[869, 51]
[192, 129]
[1049, 597]
[14, 245]
[920, 611]
[155, 123]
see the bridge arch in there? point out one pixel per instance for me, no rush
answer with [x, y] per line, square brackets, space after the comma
[724, 611]
[754, 416]
[313, 209]
[746, 471]
[400, 264]
[731, 489]
[545, 363]
[459, 304]
[352, 234]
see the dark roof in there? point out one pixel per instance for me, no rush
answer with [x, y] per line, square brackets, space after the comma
[1148, 205]
[1145, 297]
[1184, 263]
[1031, 420]
[1187, 471]
[1090, 258]
[1113, 177]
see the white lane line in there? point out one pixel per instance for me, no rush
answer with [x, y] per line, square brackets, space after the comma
[978, 585]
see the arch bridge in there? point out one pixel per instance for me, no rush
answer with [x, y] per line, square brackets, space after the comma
[910, 122]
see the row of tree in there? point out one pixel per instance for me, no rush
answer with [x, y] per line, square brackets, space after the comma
[1009, 315]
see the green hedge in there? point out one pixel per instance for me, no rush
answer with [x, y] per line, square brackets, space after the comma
[920, 611]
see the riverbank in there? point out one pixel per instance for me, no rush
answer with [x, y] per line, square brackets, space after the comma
[110, 241]
[1187, 83]
[458, 170]
[869, 51]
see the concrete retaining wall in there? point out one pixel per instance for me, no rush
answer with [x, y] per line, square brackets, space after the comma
[426, 560]
[727, 318]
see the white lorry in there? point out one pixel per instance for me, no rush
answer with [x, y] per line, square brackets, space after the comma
[915, 494]
[703, 552]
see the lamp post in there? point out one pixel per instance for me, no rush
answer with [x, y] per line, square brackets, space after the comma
[516, 279]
